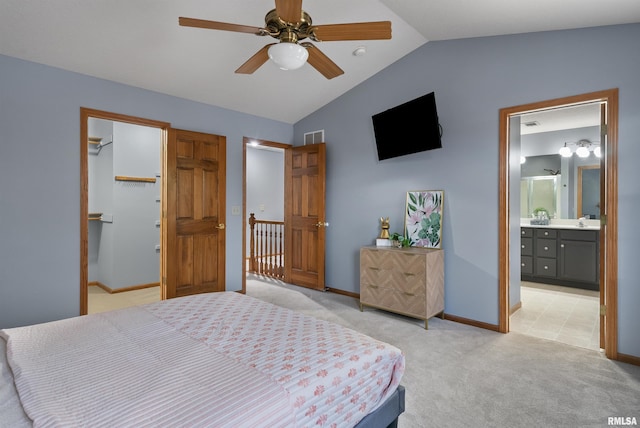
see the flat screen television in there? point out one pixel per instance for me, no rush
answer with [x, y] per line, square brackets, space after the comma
[411, 127]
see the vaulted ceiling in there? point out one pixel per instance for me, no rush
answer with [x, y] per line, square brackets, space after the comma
[139, 42]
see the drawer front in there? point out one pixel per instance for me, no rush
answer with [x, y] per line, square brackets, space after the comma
[546, 247]
[395, 279]
[408, 282]
[526, 265]
[546, 267]
[526, 246]
[579, 235]
[376, 259]
[374, 275]
[546, 233]
[526, 232]
[394, 301]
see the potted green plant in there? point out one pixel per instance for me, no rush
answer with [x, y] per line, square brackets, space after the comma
[399, 240]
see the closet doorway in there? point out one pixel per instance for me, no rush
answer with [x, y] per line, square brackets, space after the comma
[121, 188]
[510, 207]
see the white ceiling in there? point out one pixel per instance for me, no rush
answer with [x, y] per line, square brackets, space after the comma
[557, 119]
[139, 42]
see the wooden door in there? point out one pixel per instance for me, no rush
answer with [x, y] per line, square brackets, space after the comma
[305, 215]
[193, 243]
[603, 229]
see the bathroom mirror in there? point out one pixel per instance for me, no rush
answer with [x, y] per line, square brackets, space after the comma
[540, 192]
[542, 135]
[569, 190]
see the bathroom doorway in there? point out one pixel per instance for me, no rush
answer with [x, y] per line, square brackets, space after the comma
[509, 230]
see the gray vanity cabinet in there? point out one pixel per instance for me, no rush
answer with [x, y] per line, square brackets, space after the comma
[579, 257]
[526, 251]
[560, 256]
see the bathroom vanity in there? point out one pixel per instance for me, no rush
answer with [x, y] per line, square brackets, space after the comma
[560, 255]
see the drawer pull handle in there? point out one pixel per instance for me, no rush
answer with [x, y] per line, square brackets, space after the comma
[546, 267]
[522, 264]
[546, 233]
[522, 245]
[374, 268]
[561, 245]
[409, 294]
[546, 248]
[373, 286]
[523, 232]
[409, 274]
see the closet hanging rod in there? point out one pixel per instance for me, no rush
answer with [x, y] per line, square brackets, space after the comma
[138, 179]
[98, 143]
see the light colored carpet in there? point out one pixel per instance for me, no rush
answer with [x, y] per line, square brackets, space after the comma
[461, 376]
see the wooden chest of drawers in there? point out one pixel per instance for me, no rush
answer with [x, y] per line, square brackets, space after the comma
[407, 281]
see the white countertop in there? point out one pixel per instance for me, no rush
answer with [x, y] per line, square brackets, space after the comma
[561, 226]
[563, 223]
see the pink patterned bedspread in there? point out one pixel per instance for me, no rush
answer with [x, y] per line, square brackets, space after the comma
[219, 359]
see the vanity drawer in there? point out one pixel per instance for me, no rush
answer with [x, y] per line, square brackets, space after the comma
[545, 267]
[546, 233]
[526, 246]
[526, 265]
[580, 235]
[526, 232]
[546, 248]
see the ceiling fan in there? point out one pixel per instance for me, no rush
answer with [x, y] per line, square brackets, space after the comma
[289, 24]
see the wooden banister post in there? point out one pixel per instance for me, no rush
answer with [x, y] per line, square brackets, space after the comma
[252, 250]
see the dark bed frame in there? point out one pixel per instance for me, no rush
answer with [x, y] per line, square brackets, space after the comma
[386, 416]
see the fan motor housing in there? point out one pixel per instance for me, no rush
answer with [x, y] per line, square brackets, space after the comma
[288, 31]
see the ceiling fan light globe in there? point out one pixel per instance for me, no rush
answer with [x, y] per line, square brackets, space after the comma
[288, 56]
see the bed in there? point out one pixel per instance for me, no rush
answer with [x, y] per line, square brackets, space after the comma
[218, 359]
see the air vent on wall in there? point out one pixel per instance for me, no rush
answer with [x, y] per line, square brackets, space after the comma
[314, 137]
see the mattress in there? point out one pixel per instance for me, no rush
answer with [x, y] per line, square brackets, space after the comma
[218, 359]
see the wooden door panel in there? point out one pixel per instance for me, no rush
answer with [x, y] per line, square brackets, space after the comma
[184, 269]
[209, 194]
[195, 264]
[185, 193]
[304, 216]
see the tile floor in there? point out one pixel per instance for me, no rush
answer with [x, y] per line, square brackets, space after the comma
[564, 314]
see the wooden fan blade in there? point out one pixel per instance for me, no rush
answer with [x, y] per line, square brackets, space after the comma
[215, 25]
[289, 10]
[256, 61]
[379, 30]
[318, 60]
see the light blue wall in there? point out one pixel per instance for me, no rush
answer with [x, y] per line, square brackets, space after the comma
[472, 80]
[265, 187]
[40, 178]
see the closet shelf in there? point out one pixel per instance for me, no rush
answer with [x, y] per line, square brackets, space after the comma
[95, 140]
[95, 216]
[138, 179]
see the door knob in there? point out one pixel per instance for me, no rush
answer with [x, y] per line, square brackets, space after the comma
[220, 226]
[322, 224]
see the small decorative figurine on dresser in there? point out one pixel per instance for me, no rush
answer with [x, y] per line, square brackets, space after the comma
[384, 232]
[383, 240]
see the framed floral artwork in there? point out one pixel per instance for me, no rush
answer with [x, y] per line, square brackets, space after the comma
[423, 218]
